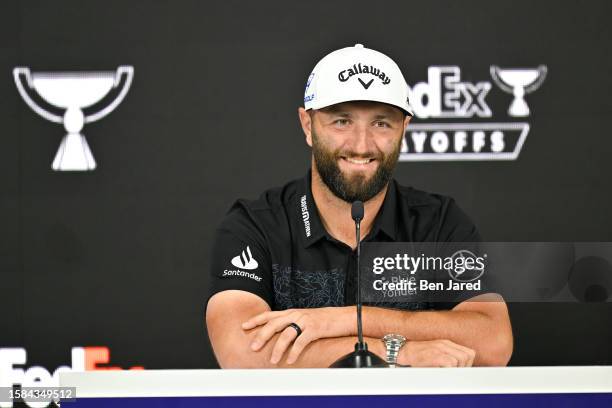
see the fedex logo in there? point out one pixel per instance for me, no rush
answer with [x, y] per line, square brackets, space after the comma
[83, 359]
[444, 95]
[470, 136]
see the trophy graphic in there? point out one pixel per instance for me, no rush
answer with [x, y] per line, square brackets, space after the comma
[518, 82]
[73, 92]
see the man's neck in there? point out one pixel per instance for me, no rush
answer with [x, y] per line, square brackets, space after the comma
[335, 213]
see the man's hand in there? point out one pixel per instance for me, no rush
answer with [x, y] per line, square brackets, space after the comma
[316, 323]
[436, 353]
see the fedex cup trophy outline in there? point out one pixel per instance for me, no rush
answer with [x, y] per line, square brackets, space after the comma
[518, 82]
[73, 91]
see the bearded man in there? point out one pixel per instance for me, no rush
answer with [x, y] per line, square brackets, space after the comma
[282, 267]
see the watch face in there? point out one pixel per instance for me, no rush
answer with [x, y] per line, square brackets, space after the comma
[397, 338]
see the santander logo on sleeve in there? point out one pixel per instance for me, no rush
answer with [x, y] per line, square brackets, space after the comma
[243, 261]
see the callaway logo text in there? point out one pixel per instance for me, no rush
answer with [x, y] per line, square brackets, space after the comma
[345, 74]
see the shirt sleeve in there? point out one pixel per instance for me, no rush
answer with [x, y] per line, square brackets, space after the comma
[457, 232]
[240, 259]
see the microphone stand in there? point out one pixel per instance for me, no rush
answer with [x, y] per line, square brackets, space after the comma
[361, 357]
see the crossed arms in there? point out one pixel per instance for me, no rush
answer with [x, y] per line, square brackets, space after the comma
[245, 333]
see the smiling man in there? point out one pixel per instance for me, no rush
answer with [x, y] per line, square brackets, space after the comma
[283, 266]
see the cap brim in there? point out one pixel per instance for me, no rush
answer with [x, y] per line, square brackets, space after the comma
[408, 111]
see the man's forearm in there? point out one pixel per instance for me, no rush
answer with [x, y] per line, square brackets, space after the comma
[489, 334]
[319, 354]
[424, 325]
[489, 337]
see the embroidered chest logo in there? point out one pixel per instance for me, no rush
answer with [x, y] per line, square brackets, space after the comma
[305, 215]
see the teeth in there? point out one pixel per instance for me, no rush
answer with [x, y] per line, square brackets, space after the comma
[358, 161]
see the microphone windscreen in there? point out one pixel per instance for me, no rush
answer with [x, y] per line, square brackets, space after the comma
[357, 211]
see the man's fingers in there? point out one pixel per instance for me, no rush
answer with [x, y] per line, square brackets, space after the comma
[457, 345]
[283, 341]
[438, 353]
[471, 353]
[274, 326]
[446, 360]
[458, 354]
[461, 356]
[261, 318]
[468, 353]
[299, 344]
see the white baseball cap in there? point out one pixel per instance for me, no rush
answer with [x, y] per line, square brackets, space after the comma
[356, 74]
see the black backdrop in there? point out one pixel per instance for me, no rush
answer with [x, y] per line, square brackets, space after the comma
[117, 257]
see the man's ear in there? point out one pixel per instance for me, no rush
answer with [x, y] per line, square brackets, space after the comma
[407, 121]
[306, 122]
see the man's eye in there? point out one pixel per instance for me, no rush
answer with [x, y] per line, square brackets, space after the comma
[341, 122]
[382, 124]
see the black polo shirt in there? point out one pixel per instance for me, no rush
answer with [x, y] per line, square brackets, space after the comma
[277, 248]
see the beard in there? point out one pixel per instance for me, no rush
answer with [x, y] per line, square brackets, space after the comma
[357, 186]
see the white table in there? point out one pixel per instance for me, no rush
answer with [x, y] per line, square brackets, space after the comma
[478, 386]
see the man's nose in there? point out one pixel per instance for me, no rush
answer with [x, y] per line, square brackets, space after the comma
[360, 140]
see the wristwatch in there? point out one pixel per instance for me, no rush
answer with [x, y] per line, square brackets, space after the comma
[393, 344]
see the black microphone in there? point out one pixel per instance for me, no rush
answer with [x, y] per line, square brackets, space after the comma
[361, 357]
[357, 212]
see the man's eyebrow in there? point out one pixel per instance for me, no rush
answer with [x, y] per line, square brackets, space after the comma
[335, 112]
[347, 114]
